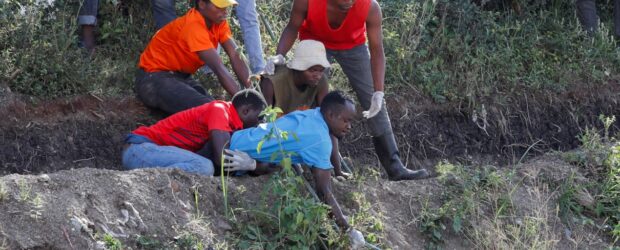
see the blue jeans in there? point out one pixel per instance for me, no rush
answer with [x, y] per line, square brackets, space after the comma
[250, 27]
[88, 12]
[164, 12]
[142, 153]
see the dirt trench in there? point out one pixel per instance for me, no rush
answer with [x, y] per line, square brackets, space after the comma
[88, 131]
[65, 152]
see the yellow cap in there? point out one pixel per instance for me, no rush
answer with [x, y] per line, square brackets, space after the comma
[223, 3]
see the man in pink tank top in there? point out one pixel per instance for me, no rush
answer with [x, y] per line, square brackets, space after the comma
[342, 25]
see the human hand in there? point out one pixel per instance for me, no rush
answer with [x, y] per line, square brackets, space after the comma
[238, 160]
[272, 61]
[342, 176]
[375, 105]
[356, 238]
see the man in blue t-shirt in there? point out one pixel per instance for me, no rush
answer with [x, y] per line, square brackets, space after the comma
[311, 145]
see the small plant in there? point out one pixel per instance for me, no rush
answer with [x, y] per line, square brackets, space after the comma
[567, 202]
[432, 226]
[145, 242]
[37, 207]
[189, 241]
[112, 243]
[3, 191]
[608, 204]
[365, 220]
[24, 190]
[288, 217]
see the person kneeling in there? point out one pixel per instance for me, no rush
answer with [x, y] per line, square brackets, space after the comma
[192, 140]
[311, 145]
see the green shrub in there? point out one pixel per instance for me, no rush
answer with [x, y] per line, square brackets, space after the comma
[42, 52]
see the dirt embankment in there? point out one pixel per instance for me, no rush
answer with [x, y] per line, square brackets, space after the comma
[72, 209]
[68, 191]
[88, 131]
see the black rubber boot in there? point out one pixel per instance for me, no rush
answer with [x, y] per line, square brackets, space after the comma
[386, 149]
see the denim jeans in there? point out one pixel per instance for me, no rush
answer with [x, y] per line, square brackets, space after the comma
[355, 64]
[150, 155]
[164, 12]
[586, 12]
[170, 91]
[250, 27]
[88, 12]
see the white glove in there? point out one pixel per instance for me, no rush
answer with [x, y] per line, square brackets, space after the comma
[356, 238]
[238, 160]
[375, 105]
[272, 61]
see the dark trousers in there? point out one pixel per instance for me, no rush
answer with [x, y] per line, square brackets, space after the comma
[355, 64]
[586, 11]
[169, 91]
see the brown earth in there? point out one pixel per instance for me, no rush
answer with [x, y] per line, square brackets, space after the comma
[71, 209]
[77, 142]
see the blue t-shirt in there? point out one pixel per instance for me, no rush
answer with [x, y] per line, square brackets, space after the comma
[313, 148]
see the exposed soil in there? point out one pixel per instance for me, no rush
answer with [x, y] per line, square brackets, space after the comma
[77, 142]
[71, 209]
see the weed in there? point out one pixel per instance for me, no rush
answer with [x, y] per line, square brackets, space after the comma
[600, 155]
[24, 190]
[608, 204]
[287, 217]
[431, 225]
[3, 191]
[189, 241]
[365, 220]
[144, 242]
[567, 202]
[112, 243]
[37, 207]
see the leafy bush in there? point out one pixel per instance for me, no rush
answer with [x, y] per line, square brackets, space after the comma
[454, 50]
[450, 50]
[600, 156]
[287, 217]
[41, 38]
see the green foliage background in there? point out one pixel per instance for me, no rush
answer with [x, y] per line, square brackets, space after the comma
[448, 50]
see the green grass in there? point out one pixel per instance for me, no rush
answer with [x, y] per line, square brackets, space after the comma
[448, 50]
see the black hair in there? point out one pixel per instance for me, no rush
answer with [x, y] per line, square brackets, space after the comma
[335, 101]
[249, 97]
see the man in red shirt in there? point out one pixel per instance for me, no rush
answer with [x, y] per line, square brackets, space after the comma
[179, 49]
[193, 140]
[342, 26]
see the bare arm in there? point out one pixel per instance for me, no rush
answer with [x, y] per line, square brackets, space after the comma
[289, 34]
[265, 168]
[375, 43]
[218, 139]
[213, 60]
[335, 156]
[239, 66]
[266, 86]
[324, 191]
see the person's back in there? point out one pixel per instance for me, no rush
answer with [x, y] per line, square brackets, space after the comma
[308, 139]
[174, 47]
[189, 129]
